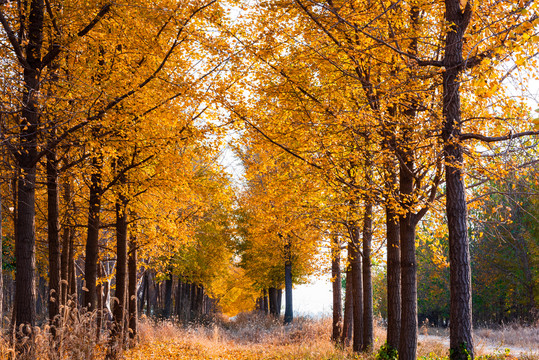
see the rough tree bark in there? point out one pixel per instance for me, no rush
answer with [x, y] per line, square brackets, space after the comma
[337, 288]
[368, 315]
[408, 331]
[168, 296]
[348, 319]
[1, 272]
[273, 295]
[288, 313]
[92, 238]
[265, 301]
[53, 233]
[393, 278]
[460, 317]
[26, 158]
[64, 258]
[119, 305]
[357, 289]
[133, 306]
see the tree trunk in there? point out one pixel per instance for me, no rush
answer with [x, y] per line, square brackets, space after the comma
[368, 316]
[273, 295]
[25, 296]
[408, 331]
[119, 307]
[393, 268]
[265, 301]
[100, 314]
[186, 311]
[149, 295]
[144, 291]
[1, 270]
[179, 299]
[337, 286]
[92, 239]
[168, 296]
[200, 301]
[348, 320]
[393, 278]
[26, 157]
[461, 343]
[132, 268]
[64, 258]
[357, 289]
[53, 233]
[72, 275]
[192, 302]
[288, 313]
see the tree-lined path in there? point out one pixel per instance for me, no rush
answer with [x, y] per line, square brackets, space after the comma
[376, 140]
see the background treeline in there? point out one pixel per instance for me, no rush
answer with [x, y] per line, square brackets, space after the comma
[504, 254]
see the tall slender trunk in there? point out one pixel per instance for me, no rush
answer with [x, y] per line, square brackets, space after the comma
[273, 295]
[368, 315]
[72, 275]
[187, 302]
[393, 268]
[168, 296]
[408, 332]
[393, 278]
[179, 298]
[64, 258]
[1, 272]
[26, 157]
[348, 320]
[265, 302]
[288, 313]
[25, 288]
[192, 302]
[200, 301]
[144, 291]
[460, 317]
[337, 288]
[100, 305]
[132, 269]
[357, 289]
[92, 238]
[119, 307]
[53, 232]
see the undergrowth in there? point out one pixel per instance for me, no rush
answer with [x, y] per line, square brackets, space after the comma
[248, 336]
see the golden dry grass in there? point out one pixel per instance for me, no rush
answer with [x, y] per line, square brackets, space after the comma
[251, 337]
[248, 337]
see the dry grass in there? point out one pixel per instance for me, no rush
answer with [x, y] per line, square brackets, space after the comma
[506, 342]
[76, 340]
[254, 337]
[526, 337]
[247, 337]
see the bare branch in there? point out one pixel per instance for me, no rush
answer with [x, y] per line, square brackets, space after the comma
[490, 139]
[13, 41]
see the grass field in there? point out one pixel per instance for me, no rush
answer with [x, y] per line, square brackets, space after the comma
[259, 337]
[251, 337]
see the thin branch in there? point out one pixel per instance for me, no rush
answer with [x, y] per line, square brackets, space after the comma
[13, 41]
[490, 139]
[275, 142]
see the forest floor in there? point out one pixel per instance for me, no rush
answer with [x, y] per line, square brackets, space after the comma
[512, 339]
[260, 337]
[254, 337]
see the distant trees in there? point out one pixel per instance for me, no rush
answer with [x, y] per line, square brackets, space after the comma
[505, 248]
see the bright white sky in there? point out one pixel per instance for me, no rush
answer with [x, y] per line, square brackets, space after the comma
[313, 299]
